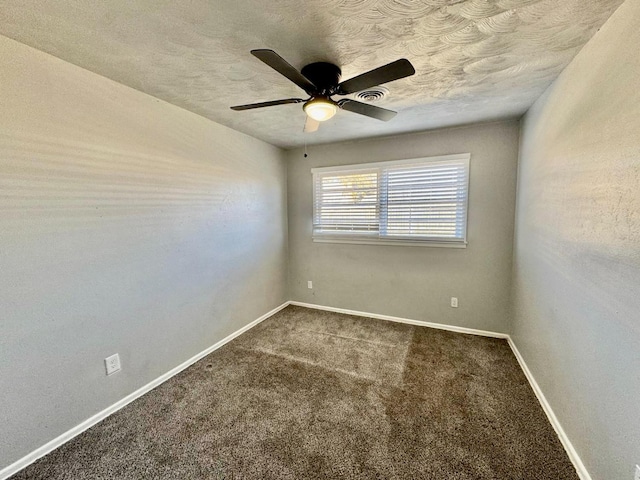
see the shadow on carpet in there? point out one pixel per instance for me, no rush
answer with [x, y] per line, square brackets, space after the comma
[309, 394]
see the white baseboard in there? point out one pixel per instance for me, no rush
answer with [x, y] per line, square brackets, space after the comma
[564, 439]
[88, 423]
[440, 326]
[78, 429]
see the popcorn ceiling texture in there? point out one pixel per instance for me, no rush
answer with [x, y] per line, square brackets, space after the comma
[475, 59]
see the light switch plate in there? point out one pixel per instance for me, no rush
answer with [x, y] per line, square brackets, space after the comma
[112, 364]
[309, 284]
[454, 302]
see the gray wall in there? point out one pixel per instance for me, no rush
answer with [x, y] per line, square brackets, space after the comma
[414, 282]
[577, 251]
[127, 225]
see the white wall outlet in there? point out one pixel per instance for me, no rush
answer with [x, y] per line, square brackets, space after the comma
[112, 364]
[637, 475]
[454, 302]
[309, 284]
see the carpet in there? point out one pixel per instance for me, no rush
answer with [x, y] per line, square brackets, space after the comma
[309, 394]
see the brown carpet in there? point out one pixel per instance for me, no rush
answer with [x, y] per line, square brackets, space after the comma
[310, 394]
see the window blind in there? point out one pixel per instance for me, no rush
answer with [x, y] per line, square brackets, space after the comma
[422, 200]
[346, 203]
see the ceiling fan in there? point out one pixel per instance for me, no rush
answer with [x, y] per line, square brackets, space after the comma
[321, 80]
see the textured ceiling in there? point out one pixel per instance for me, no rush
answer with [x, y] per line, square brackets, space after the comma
[475, 59]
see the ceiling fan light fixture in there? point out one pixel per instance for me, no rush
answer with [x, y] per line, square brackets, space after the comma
[320, 108]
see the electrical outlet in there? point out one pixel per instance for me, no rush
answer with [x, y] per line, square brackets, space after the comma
[454, 302]
[112, 364]
[309, 284]
[637, 475]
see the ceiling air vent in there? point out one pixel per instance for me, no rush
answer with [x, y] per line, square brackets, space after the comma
[371, 95]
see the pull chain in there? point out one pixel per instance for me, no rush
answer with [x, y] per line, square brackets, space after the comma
[305, 149]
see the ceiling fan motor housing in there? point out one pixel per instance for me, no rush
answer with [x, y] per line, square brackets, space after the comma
[321, 80]
[325, 76]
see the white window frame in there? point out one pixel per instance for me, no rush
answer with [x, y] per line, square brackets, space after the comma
[377, 240]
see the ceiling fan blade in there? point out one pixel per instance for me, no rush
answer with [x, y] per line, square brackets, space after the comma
[387, 73]
[311, 125]
[267, 104]
[368, 110]
[283, 67]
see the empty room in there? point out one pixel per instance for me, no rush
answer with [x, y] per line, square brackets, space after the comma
[338, 239]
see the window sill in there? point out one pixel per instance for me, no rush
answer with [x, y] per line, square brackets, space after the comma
[400, 243]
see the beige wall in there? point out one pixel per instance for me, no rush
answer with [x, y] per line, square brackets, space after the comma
[577, 251]
[414, 282]
[127, 225]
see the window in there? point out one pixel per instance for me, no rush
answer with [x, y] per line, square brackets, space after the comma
[421, 201]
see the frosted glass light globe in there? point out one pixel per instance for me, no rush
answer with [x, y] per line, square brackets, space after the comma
[320, 109]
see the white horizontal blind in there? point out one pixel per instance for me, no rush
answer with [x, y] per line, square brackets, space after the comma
[423, 200]
[426, 201]
[346, 203]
